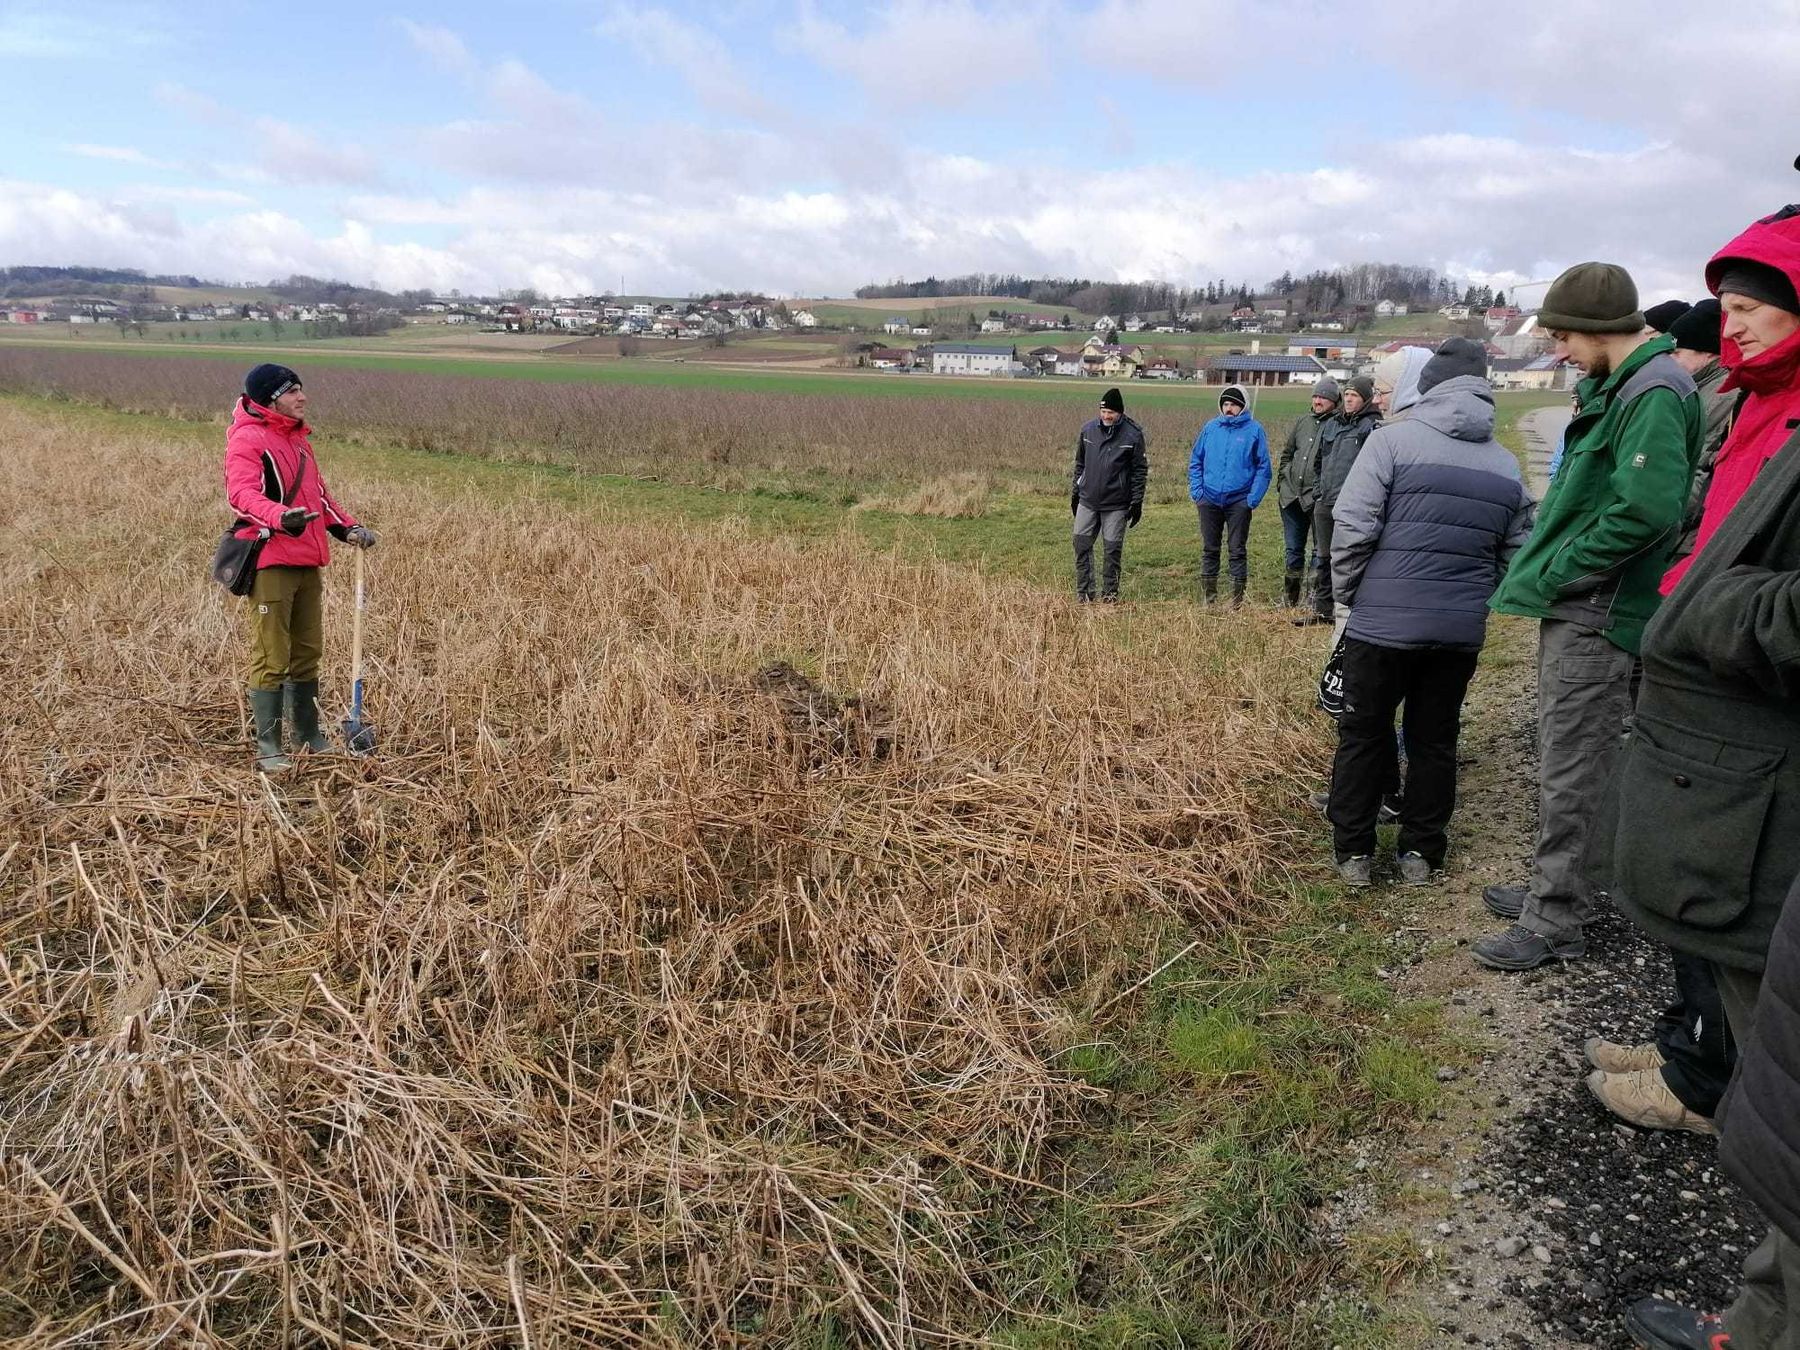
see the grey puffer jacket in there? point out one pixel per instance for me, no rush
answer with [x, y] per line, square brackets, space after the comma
[1340, 442]
[1433, 510]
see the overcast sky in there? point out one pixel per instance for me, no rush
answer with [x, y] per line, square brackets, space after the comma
[802, 147]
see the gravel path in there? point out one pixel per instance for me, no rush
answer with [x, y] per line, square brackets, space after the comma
[1543, 1217]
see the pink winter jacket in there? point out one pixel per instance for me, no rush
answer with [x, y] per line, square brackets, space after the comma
[262, 441]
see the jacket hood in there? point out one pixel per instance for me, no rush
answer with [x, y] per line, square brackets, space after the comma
[1234, 419]
[1775, 242]
[1406, 383]
[1462, 407]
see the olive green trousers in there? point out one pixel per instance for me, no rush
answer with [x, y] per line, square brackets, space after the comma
[287, 626]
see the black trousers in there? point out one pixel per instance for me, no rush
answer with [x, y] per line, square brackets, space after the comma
[1694, 1037]
[1431, 682]
[1228, 524]
[1322, 527]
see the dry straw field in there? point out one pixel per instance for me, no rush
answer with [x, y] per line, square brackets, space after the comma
[701, 960]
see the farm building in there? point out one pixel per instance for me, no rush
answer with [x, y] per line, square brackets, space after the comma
[1533, 372]
[1263, 368]
[962, 358]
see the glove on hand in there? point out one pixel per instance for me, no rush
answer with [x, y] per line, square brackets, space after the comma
[294, 519]
[1074, 502]
[361, 536]
[1134, 515]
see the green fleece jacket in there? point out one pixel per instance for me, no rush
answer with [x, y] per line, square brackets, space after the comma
[1606, 526]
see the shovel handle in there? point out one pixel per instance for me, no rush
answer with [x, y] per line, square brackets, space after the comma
[356, 626]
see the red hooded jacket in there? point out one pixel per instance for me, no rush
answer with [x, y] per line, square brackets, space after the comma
[265, 449]
[1771, 411]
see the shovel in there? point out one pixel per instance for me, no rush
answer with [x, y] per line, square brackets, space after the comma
[358, 735]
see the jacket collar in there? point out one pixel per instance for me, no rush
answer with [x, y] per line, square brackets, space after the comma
[278, 422]
[1625, 369]
[1767, 372]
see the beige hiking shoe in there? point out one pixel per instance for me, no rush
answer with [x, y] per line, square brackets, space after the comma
[1611, 1057]
[1644, 1100]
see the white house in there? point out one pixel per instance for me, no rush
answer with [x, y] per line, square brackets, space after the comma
[804, 318]
[643, 309]
[993, 325]
[896, 323]
[961, 358]
[921, 330]
[1105, 323]
[1387, 309]
[1135, 324]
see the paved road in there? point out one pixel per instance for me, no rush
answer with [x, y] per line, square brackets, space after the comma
[1543, 428]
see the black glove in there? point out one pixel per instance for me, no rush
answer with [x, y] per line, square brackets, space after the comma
[1074, 502]
[361, 536]
[1134, 515]
[293, 520]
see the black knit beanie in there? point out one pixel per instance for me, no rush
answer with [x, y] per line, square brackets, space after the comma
[1698, 329]
[268, 382]
[1758, 281]
[1662, 317]
[1113, 399]
[1458, 356]
[1234, 392]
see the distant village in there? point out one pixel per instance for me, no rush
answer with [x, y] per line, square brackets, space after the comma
[1277, 347]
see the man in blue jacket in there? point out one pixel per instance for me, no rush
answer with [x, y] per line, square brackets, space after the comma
[1228, 474]
[1106, 493]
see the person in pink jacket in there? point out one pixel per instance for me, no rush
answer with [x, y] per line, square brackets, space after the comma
[273, 483]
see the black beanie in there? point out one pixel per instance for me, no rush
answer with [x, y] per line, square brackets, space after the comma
[1757, 281]
[1234, 392]
[1698, 329]
[1113, 399]
[268, 382]
[1458, 356]
[1662, 317]
[1364, 388]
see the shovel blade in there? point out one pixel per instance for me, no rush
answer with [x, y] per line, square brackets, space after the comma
[359, 736]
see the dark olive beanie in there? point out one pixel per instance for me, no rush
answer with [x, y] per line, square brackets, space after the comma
[1365, 388]
[1113, 399]
[1592, 297]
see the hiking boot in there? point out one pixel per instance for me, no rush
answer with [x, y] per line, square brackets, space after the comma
[1414, 870]
[1505, 902]
[1209, 590]
[1657, 1324]
[303, 715]
[1321, 801]
[1644, 1099]
[1518, 948]
[1611, 1057]
[265, 717]
[1290, 592]
[1237, 594]
[1389, 814]
[1357, 870]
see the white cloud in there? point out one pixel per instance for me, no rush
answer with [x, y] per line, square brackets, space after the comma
[943, 52]
[39, 33]
[279, 150]
[121, 154]
[704, 63]
[445, 49]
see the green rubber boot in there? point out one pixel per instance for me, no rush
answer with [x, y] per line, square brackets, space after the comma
[265, 714]
[303, 715]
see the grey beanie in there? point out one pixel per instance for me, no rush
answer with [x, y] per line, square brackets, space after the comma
[1458, 356]
[1758, 281]
[1327, 388]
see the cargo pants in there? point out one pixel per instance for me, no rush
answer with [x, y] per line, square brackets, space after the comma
[1585, 701]
[287, 626]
